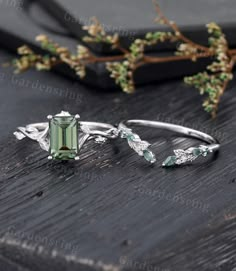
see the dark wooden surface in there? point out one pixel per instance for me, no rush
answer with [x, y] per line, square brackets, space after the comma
[111, 210]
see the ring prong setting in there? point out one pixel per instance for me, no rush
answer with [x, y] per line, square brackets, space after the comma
[49, 157]
[49, 117]
[77, 116]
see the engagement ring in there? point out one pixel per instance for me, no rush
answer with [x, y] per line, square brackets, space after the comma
[64, 135]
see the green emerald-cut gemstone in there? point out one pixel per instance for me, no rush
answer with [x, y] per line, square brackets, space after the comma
[170, 161]
[63, 130]
[149, 156]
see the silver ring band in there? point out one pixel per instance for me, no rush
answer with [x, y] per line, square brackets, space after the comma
[181, 156]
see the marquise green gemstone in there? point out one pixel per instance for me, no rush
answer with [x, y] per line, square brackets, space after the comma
[130, 137]
[170, 161]
[149, 156]
[63, 130]
[196, 152]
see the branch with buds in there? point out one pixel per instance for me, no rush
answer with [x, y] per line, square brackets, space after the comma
[211, 83]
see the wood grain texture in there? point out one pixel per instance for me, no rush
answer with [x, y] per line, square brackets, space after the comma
[111, 210]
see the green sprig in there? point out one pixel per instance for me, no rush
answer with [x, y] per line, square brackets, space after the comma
[211, 83]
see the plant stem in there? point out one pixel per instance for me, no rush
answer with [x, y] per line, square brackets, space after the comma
[176, 29]
[220, 94]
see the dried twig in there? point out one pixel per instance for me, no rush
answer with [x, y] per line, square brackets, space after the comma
[213, 82]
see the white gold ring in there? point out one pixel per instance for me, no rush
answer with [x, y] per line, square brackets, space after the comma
[180, 156]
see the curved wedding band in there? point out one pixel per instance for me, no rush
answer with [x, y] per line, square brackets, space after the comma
[181, 156]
